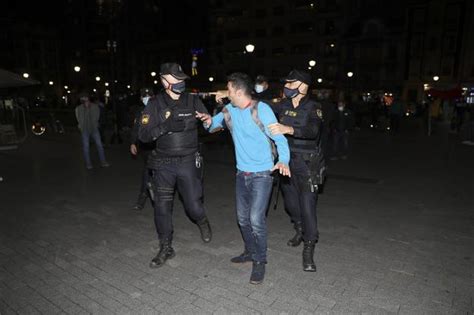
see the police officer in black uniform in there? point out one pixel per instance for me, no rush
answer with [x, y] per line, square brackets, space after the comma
[300, 119]
[142, 149]
[169, 119]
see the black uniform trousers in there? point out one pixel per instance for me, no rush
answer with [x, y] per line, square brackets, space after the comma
[180, 173]
[300, 202]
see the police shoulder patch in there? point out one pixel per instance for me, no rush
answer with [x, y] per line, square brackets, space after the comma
[145, 119]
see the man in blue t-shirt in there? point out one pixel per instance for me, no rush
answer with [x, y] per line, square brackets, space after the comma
[248, 121]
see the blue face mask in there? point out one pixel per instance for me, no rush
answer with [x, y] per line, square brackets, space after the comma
[290, 93]
[145, 100]
[178, 88]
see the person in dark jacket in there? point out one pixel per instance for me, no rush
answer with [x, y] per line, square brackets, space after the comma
[262, 92]
[300, 120]
[169, 119]
[143, 149]
[342, 124]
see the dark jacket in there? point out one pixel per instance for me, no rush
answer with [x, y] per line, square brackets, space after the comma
[343, 121]
[306, 120]
[172, 123]
[147, 146]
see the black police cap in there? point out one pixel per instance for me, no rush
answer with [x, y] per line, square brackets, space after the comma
[173, 69]
[298, 75]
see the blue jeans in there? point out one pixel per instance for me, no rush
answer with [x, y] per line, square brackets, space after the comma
[98, 143]
[253, 192]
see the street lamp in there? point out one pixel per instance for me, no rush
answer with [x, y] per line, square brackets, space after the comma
[97, 78]
[26, 75]
[155, 82]
[350, 74]
[435, 78]
[65, 87]
[77, 68]
[320, 80]
[106, 83]
[128, 86]
[51, 82]
[309, 68]
[153, 74]
[211, 79]
[312, 63]
[249, 48]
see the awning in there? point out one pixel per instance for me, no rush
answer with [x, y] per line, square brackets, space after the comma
[9, 79]
[446, 94]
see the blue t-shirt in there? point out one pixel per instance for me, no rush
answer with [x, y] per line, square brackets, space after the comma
[252, 148]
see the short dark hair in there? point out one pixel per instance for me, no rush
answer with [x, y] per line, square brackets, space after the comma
[241, 81]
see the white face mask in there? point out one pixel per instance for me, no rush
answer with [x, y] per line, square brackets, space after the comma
[145, 100]
[258, 88]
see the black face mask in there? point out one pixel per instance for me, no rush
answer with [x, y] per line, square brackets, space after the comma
[177, 88]
[290, 93]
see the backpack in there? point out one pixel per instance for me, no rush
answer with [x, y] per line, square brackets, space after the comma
[258, 122]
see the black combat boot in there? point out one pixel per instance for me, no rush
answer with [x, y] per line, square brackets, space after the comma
[298, 238]
[308, 253]
[140, 201]
[205, 229]
[166, 252]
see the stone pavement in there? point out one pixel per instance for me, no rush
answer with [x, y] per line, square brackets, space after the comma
[396, 222]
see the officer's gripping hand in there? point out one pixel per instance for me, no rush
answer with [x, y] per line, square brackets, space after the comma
[220, 95]
[282, 168]
[279, 129]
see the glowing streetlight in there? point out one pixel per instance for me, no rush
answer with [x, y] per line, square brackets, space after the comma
[94, 90]
[26, 75]
[250, 48]
[65, 87]
[153, 74]
[106, 83]
[312, 63]
[320, 80]
[332, 45]
[435, 78]
[309, 68]
[211, 79]
[77, 68]
[97, 78]
[155, 82]
[128, 86]
[51, 82]
[350, 74]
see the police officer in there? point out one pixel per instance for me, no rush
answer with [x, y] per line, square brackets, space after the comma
[143, 149]
[169, 119]
[300, 120]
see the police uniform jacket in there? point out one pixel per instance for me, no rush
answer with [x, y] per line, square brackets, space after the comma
[172, 124]
[306, 120]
